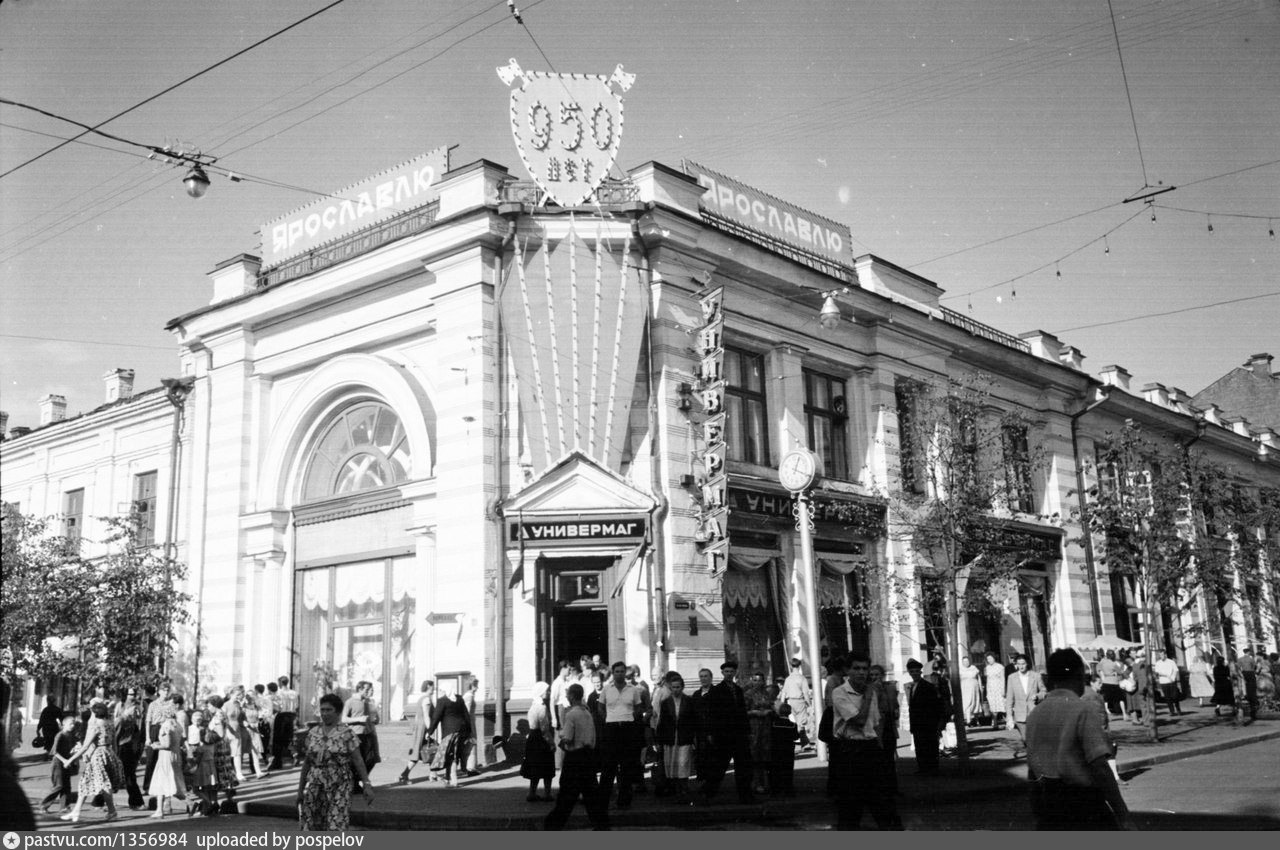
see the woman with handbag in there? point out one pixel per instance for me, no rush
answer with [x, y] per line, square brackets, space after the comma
[454, 722]
[539, 759]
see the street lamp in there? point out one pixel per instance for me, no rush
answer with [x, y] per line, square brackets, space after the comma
[797, 472]
[196, 181]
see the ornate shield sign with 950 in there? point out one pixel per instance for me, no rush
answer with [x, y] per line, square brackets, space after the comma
[567, 128]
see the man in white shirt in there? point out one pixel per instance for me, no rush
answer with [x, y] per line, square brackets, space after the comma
[1168, 682]
[578, 778]
[797, 694]
[623, 706]
[286, 721]
[559, 697]
[857, 757]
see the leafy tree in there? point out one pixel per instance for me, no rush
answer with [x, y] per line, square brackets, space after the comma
[112, 618]
[44, 599]
[1177, 526]
[966, 479]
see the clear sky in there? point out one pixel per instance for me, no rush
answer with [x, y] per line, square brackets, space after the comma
[930, 128]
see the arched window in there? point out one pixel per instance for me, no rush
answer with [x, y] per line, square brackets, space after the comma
[364, 448]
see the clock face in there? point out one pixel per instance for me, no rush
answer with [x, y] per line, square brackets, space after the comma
[797, 470]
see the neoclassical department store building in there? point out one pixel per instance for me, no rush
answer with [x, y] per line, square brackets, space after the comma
[475, 432]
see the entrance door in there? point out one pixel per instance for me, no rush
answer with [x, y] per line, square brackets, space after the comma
[574, 611]
[579, 631]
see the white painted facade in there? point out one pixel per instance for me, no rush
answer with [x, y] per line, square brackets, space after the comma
[533, 361]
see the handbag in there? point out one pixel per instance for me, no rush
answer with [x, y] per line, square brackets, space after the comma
[826, 731]
[427, 751]
[1128, 684]
[37, 743]
[949, 737]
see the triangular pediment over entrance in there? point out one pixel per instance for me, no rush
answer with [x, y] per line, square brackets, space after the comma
[578, 486]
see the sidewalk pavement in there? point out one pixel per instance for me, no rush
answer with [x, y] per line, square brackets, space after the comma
[495, 799]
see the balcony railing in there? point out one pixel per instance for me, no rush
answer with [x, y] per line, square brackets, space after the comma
[978, 329]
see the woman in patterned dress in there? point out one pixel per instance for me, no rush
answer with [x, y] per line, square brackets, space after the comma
[330, 755]
[220, 732]
[101, 771]
[993, 679]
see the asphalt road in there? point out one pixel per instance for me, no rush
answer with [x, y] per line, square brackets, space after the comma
[1238, 789]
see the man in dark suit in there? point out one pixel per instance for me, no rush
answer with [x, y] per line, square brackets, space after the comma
[926, 716]
[700, 701]
[729, 736]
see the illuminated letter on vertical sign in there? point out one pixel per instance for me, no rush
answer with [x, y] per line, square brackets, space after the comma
[567, 128]
[713, 517]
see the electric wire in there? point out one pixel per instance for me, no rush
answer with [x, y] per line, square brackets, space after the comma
[1054, 262]
[259, 141]
[1125, 76]
[178, 84]
[1168, 312]
[78, 198]
[958, 78]
[82, 341]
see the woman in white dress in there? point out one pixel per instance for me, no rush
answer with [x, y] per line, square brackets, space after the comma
[993, 673]
[167, 779]
[970, 690]
[1200, 674]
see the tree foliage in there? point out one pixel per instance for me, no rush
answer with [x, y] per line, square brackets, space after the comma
[967, 484]
[113, 618]
[1177, 526]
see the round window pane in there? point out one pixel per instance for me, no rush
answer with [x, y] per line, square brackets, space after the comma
[362, 449]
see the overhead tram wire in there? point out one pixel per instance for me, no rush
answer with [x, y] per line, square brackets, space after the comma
[178, 84]
[378, 85]
[1132, 115]
[78, 199]
[348, 80]
[1168, 312]
[962, 77]
[418, 65]
[929, 89]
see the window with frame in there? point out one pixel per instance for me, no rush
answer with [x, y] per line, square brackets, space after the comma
[73, 514]
[365, 447]
[1017, 467]
[964, 439]
[747, 437]
[826, 417]
[910, 452]
[144, 507]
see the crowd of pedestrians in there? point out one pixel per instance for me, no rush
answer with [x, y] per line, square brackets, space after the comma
[194, 759]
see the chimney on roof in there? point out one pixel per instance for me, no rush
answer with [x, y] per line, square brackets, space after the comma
[1071, 356]
[1043, 344]
[235, 277]
[1115, 376]
[1260, 364]
[1156, 394]
[4, 422]
[18, 431]
[119, 385]
[53, 408]
[1179, 399]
